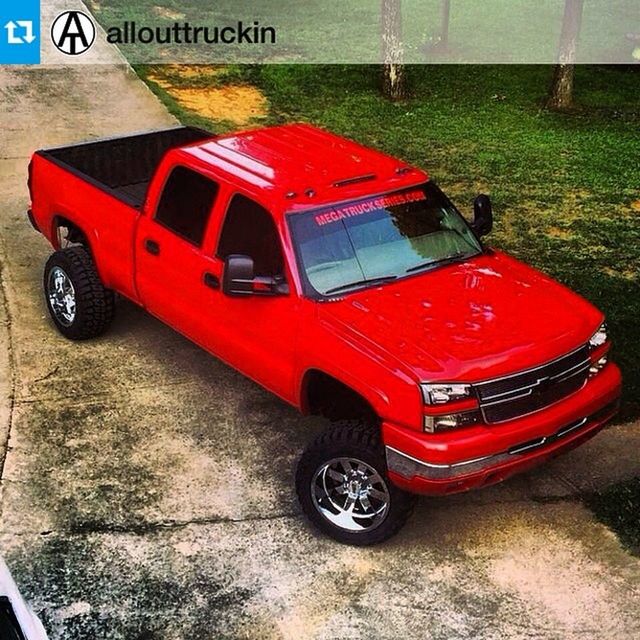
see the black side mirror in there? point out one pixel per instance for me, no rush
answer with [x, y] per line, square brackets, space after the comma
[237, 276]
[239, 279]
[482, 215]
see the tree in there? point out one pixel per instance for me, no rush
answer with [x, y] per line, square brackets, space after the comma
[443, 43]
[438, 43]
[561, 90]
[393, 71]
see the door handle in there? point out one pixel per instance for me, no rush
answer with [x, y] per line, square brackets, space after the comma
[211, 280]
[152, 247]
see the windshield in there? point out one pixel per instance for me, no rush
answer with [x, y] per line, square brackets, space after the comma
[374, 240]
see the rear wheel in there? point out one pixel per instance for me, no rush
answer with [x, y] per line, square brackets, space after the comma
[79, 304]
[343, 489]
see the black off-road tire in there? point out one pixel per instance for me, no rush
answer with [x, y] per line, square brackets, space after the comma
[95, 304]
[352, 439]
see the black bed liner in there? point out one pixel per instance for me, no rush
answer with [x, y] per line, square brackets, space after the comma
[123, 166]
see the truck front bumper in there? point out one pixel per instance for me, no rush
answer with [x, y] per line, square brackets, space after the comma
[484, 455]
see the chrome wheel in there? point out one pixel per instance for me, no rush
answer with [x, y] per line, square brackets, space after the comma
[350, 494]
[62, 296]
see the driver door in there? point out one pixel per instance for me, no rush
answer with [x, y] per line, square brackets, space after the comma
[256, 334]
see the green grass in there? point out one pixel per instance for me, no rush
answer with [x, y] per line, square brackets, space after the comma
[618, 507]
[562, 184]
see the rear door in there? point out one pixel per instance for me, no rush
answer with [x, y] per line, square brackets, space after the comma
[170, 259]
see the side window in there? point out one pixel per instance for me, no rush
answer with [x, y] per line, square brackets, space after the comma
[186, 203]
[250, 230]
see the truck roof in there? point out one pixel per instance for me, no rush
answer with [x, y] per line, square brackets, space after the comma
[305, 165]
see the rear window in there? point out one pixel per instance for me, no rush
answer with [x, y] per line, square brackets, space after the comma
[186, 203]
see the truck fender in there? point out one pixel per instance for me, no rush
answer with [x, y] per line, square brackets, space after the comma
[317, 385]
[89, 240]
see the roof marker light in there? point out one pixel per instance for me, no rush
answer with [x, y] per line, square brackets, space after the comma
[347, 181]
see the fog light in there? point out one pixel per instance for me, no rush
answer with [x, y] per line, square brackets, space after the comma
[451, 421]
[599, 365]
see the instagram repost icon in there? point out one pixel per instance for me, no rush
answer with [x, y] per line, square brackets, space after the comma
[20, 32]
[73, 32]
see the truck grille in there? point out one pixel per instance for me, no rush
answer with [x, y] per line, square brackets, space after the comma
[522, 393]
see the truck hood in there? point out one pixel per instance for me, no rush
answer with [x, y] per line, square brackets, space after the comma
[483, 318]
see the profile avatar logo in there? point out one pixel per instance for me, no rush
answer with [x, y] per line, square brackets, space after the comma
[73, 32]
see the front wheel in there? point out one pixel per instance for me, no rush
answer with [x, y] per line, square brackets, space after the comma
[343, 489]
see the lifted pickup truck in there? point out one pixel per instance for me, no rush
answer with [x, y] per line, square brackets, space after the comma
[344, 281]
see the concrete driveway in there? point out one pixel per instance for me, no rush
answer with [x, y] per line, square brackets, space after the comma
[147, 489]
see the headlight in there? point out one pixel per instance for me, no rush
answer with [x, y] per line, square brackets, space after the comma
[442, 392]
[598, 346]
[599, 337]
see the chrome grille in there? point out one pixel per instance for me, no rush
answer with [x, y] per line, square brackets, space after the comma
[522, 393]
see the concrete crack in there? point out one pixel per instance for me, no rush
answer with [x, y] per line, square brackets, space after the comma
[48, 375]
[574, 497]
[143, 528]
[4, 303]
[570, 485]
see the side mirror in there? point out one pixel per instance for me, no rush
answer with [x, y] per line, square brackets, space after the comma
[482, 215]
[239, 279]
[237, 276]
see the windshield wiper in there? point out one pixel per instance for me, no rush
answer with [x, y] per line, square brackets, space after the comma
[432, 263]
[357, 283]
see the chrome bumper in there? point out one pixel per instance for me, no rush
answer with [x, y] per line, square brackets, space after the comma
[407, 466]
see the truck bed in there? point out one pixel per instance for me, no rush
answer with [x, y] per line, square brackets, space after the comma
[123, 166]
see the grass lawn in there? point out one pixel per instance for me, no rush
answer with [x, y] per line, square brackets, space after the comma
[565, 187]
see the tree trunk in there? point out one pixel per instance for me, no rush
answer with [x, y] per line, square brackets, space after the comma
[561, 90]
[444, 25]
[394, 85]
[393, 77]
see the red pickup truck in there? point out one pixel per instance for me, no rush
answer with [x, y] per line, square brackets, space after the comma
[347, 283]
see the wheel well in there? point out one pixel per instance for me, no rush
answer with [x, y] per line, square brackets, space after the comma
[74, 234]
[324, 395]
